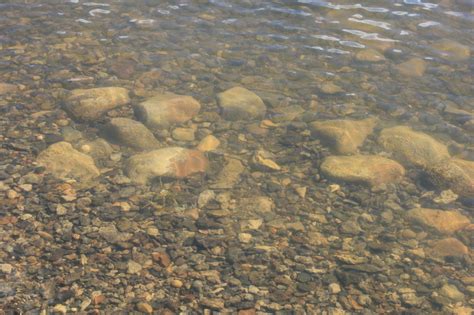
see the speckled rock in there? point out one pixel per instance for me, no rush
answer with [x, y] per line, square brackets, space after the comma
[91, 104]
[65, 162]
[166, 109]
[455, 174]
[368, 169]
[172, 162]
[412, 147]
[448, 247]
[343, 136]
[131, 133]
[238, 103]
[445, 221]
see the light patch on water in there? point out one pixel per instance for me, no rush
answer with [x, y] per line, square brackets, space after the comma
[400, 13]
[229, 21]
[98, 11]
[371, 36]
[164, 12]
[61, 32]
[426, 5]
[404, 33]
[83, 21]
[123, 37]
[338, 51]
[454, 13]
[326, 37]
[429, 23]
[350, 43]
[383, 25]
[95, 4]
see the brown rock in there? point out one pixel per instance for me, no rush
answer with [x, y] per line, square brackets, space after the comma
[456, 174]
[247, 312]
[64, 162]
[368, 169]
[229, 175]
[412, 147]
[162, 258]
[172, 162]
[414, 67]
[144, 308]
[6, 88]
[163, 110]
[448, 247]
[91, 104]
[369, 55]
[344, 136]
[208, 143]
[445, 221]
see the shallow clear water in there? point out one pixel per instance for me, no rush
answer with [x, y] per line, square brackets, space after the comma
[319, 242]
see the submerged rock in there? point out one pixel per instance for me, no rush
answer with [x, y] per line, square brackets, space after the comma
[344, 136]
[131, 133]
[64, 162]
[445, 221]
[368, 169]
[452, 50]
[448, 247]
[208, 143]
[91, 104]
[172, 162]
[99, 149]
[412, 147]
[6, 88]
[414, 67]
[238, 103]
[166, 109]
[229, 175]
[369, 55]
[456, 174]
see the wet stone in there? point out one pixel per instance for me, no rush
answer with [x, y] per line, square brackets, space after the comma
[64, 162]
[174, 162]
[452, 50]
[344, 136]
[456, 174]
[164, 110]
[131, 133]
[412, 147]
[92, 104]
[448, 247]
[239, 103]
[368, 169]
[414, 67]
[444, 221]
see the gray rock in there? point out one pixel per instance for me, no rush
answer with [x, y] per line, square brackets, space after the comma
[131, 133]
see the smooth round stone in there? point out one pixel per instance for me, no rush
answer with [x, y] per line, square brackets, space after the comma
[452, 50]
[457, 174]
[166, 109]
[444, 221]
[448, 247]
[238, 103]
[183, 134]
[413, 147]
[91, 104]
[372, 170]
[65, 162]
[131, 133]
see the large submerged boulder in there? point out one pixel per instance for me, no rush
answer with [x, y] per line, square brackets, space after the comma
[238, 103]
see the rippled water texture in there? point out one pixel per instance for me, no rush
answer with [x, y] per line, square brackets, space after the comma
[315, 157]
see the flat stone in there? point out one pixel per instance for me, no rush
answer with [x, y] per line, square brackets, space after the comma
[164, 110]
[174, 162]
[343, 136]
[131, 133]
[263, 160]
[6, 88]
[412, 147]
[330, 88]
[144, 308]
[208, 143]
[445, 221]
[91, 104]
[238, 103]
[99, 149]
[369, 55]
[212, 303]
[414, 67]
[183, 134]
[112, 235]
[452, 50]
[368, 169]
[455, 174]
[65, 162]
[448, 247]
